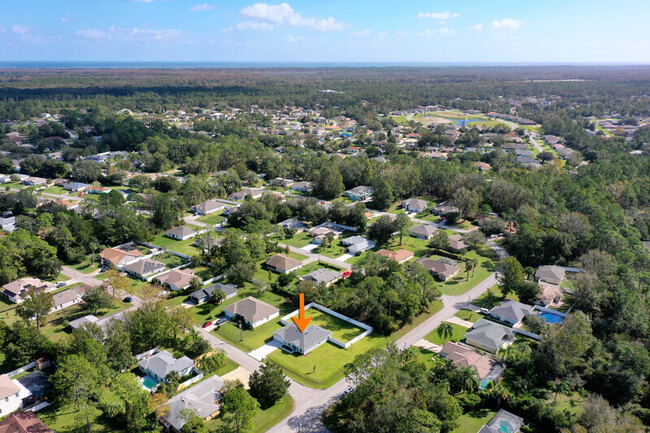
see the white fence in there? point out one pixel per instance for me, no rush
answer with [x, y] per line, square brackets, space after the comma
[29, 366]
[193, 380]
[286, 320]
[39, 406]
[143, 355]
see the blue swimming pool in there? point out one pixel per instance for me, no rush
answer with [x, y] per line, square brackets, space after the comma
[149, 382]
[551, 318]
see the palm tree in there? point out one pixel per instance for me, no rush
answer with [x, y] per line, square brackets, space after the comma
[445, 331]
[499, 392]
[470, 264]
[469, 379]
[559, 387]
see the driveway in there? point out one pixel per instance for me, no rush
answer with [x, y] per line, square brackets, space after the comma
[262, 352]
[310, 247]
[344, 257]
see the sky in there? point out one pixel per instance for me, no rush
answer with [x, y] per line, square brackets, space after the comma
[494, 31]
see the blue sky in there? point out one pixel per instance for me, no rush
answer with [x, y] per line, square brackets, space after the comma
[326, 30]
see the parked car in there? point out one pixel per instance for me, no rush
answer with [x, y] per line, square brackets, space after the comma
[61, 284]
[346, 274]
[348, 391]
[221, 321]
[206, 324]
[128, 299]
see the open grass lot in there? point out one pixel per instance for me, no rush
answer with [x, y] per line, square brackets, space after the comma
[86, 267]
[55, 190]
[311, 267]
[419, 246]
[336, 249]
[300, 240]
[492, 298]
[63, 420]
[341, 330]
[573, 403]
[248, 340]
[458, 335]
[323, 367]
[184, 247]
[471, 422]
[470, 316]
[170, 260]
[264, 420]
[12, 185]
[297, 256]
[213, 218]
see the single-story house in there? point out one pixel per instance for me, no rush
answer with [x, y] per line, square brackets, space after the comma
[160, 364]
[69, 297]
[283, 264]
[358, 244]
[359, 193]
[502, 422]
[424, 231]
[177, 279]
[34, 181]
[489, 336]
[319, 233]
[60, 182]
[17, 290]
[550, 274]
[400, 256]
[76, 186]
[83, 321]
[204, 295]
[181, 233]
[292, 224]
[415, 205]
[442, 271]
[464, 357]
[202, 398]
[207, 207]
[253, 311]
[119, 256]
[98, 190]
[457, 243]
[444, 208]
[240, 195]
[279, 181]
[144, 268]
[23, 422]
[302, 342]
[322, 276]
[302, 187]
[511, 312]
[12, 393]
[8, 224]
[551, 295]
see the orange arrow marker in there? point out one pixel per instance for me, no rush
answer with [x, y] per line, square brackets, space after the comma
[300, 321]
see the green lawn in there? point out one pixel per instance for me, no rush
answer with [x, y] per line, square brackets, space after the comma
[264, 420]
[311, 267]
[62, 420]
[56, 327]
[492, 298]
[297, 256]
[323, 367]
[341, 330]
[248, 340]
[86, 267]
[12, 185]
[300, 240]
[184, 247]
[470, 316]
[472, 422]
[458, 335]
[55, 190]
[336, 249]
[433, 309]
[227, 367]
[213, 218]
[460, 284]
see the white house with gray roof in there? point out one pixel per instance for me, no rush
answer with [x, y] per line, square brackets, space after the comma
[511, 312]
[322, 276]
[203, 398]
[415, 205]
[162, 363]
[489, 336]
[358, 244]
[424, 231]
[550, 274]
[181, 233]
[293, 340]
[204, 295]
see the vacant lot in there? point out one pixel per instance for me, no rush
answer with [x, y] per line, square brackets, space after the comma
[458, 335]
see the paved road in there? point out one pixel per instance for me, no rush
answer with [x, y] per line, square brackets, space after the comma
[535, 143]
[89, 279]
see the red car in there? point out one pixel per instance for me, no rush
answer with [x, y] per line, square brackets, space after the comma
[206, 324]
[346, 274]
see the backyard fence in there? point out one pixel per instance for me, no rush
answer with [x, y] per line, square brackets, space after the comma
[29, 366]
[38, 406]
[193, 380]
[286, 320]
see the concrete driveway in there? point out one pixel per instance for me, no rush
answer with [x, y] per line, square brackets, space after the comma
[261, 352]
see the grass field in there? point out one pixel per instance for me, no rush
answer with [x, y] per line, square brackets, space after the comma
[336, 249]
[460, 284]
[470, 316]
[299, 240]
[472, 422]
[55, 190]
[492, 298]
[458, 335]
[248, 340]
[323, 367]
[341, 330]
[213, 218]
[264, 420]
[86, 267]
[184, 247]
[56, 327]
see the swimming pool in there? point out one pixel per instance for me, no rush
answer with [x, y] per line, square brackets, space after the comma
[551, 318]
[149, 382]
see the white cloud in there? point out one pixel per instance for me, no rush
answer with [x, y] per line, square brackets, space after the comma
[443, 16]
[290, 39]
[130, 34]
[506, 23]
[202, 7]
[283, 14]
[91, 34]
[428, 33]
[362, 33]
[476, 28]
[65, 18]
[254, 25]
[19, 29]
[382, 35]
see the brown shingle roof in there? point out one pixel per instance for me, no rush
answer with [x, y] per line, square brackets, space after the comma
[251, 309]
[23, 422]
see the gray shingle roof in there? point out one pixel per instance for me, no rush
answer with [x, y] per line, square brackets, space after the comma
[202, 397]
[228, 289]
[512, 310]
[322, 275]
[490, 334]
[163, 363]
[304, 340]
[252, 309]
